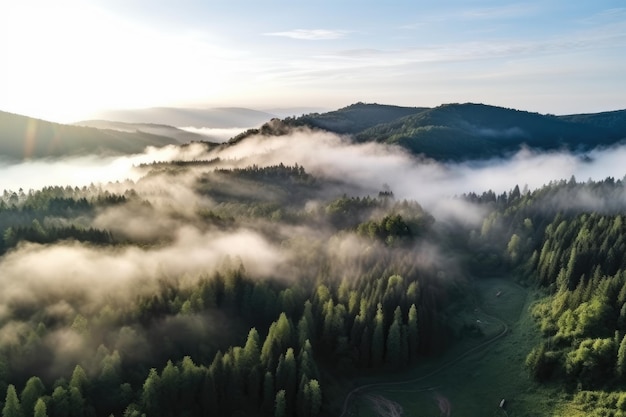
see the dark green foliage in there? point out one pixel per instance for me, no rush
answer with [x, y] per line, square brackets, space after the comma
[459, 131]
[621, 358]
[280, 404]
[551, 237]
[413, 333]
[614, 121]
[12, 407]
[33, 390]
[394, 353]
[391, 230]
[354, 118]
[225, 340]
[28, 217]
[378, 338]
[40, 409]
[347, 212]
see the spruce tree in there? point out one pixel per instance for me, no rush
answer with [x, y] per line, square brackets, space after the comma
[12, 407]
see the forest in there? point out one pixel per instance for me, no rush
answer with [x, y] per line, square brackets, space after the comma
[225, 281]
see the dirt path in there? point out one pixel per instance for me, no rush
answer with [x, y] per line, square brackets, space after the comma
[352, 393]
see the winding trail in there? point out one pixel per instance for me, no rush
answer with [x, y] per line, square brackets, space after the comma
[353, 392]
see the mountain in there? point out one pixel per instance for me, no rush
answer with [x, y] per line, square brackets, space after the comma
[355, 118]
[468, 131]
[24, 137]
[179, 135]
[221, 117]
[612, 120]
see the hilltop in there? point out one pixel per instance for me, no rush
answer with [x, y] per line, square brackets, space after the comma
[461, 131]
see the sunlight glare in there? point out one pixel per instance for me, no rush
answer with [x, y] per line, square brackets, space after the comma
[69, 60]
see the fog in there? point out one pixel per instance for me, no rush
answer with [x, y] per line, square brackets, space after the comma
[217, 134]
[368, 166]
[432, 184]
[85, 170]
[172, 244]
[35, 273]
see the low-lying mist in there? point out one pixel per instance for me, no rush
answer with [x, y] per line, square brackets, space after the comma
[169, 230]
[369, 166]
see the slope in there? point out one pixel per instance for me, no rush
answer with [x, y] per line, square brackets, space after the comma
[23, 137]
[355, 118]
[179, 135]
[612, 120]
[222, 117]
[469, 131]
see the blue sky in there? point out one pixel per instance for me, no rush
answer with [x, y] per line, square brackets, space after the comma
[67, 59]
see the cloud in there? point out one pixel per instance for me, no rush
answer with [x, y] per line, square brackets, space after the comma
[217, 134]
[84, 170]
[368, 166]
[353, 168]
[38, 275]
[54, 283]
[310, 34]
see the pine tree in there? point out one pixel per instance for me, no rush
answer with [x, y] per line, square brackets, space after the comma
[268, 394]
[621, 358]
[151, 394]
[40, 409]
[12, 407]
[378, 338]
[365, 348]
[76, 402]
[413, 333]
[60, 402]
[280, 404]
[33, 390]
[79, 379]
[170, 387]
[251, 350]
[394, 340]
[315, 393]
[291, 381]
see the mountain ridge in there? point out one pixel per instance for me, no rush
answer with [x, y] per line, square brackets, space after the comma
[23, 137]
[180, 135]
[449, 132]
[217, 117]
[468, 130]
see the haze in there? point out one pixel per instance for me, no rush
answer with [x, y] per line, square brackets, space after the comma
[70, 59]
[363, 168]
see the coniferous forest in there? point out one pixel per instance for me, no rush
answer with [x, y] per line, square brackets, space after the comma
[224, 281]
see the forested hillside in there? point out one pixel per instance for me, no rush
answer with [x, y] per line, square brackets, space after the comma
[349, 291]
[456, 132]
[567, 238]
[232, 280]
[23, 137]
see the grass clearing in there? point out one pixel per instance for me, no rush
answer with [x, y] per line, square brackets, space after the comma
[476, 382]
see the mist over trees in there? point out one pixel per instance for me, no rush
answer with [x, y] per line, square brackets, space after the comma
[257, 277]
[344, 290]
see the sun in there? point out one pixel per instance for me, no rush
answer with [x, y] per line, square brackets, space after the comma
[68, 59]
[47, 46]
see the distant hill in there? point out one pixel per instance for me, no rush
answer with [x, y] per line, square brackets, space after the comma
[614, 121]
[222, 117]
[179, 135]
[468, 131]
[23, 137]
[355, 118]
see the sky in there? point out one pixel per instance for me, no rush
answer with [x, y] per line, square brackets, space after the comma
[66, 60]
